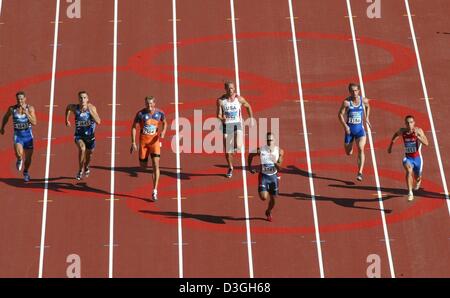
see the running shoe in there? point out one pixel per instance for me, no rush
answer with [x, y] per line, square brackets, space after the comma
[26, 177]
[79, 175]
[19, 164]
[410, 197]
[87, 171]
[229, 173]
[418, 185]
[155, 196]
[268, 215]
[359, 177]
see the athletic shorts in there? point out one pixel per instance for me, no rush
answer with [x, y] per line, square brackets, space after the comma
[89, 141]
[25, 141]
[231, 128]
[151, 148]
[416, 163]
[355, 133]
[268, 183]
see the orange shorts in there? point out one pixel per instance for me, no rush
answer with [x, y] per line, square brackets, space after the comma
[149, 146]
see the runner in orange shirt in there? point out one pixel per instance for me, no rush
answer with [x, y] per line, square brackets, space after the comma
[148, 120]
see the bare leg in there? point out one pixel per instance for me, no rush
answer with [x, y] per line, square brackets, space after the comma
[361, 142]
[87, 158]
[349, 148]
[156, 172]
[409, 177]
[18, 150]
[81, 154]
[28, 158]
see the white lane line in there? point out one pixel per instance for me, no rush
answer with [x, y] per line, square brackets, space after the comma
[372, 151]
[427, 102]
[49, 142]
[1, 8]
[305, 134]
[177, 139]
[244, 174]
[113, 145]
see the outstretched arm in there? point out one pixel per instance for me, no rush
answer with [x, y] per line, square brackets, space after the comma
[219, 111]
[133, 133]
[5, 120]
[341, 115]
[367, 109]
[69, 108]
[394, 138]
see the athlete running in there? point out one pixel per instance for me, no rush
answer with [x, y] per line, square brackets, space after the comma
[229, 112]
[271, 157]
[148, 120]
[24, 117]
[86, 120]
[356, 108]
[413, 138]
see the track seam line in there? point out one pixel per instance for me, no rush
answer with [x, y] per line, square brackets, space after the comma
[372, 151]
[427, 102]
[177, 137]
[49, 141]
[244, 174]
[305, 134]
[113, 145]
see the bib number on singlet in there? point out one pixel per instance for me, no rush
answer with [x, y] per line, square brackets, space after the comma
[269, 169]
[21, 126]
[83, 123]
[411, 148]
[149, 129]
[354, 120]
[231, 115]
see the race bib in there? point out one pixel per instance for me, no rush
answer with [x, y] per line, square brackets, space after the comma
[83, 123]
[231, 115]
[269, 169]
[21, 126]
[149, 129]
[354, 120]
[411, 148]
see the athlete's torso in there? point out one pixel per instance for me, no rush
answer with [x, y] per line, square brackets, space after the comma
[149, 122]
[355, 113]
[268, 159]
[21, 123]
[231, 109]
[84, 122]
[412, 144]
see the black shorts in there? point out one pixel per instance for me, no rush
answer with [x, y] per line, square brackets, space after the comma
[268, 183]
[89, 141]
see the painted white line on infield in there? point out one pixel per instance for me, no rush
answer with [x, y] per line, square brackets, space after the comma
[372, 151]
[244, 174]
[113, 145]
[427, 102]
[177, 137]
[305, 134]
[49, 142]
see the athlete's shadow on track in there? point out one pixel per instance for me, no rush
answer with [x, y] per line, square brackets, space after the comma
[214, 219]
[344, 202]
[291, 169]
[54, 184]
[164, 171]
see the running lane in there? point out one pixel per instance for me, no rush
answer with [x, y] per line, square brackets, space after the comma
[345, 206]
[287, 246]
[25, 52]
[419, 230]
[145, 232]
[78, 212]
[213, 211]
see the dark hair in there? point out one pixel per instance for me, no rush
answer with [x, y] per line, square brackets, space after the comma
[81, 92]
[409, 116]
[228, 83]
[150, 97]
[351, 85]
[20, 93]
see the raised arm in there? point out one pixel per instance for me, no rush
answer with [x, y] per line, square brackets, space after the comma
[5, 120]
[421, 136]
[93, 111]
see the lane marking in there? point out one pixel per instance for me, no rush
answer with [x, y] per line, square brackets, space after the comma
[372, 151]
[427, 102]
[177, 138]
[244, 173]
[113, 145]
[49, 142]
[306, 140]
